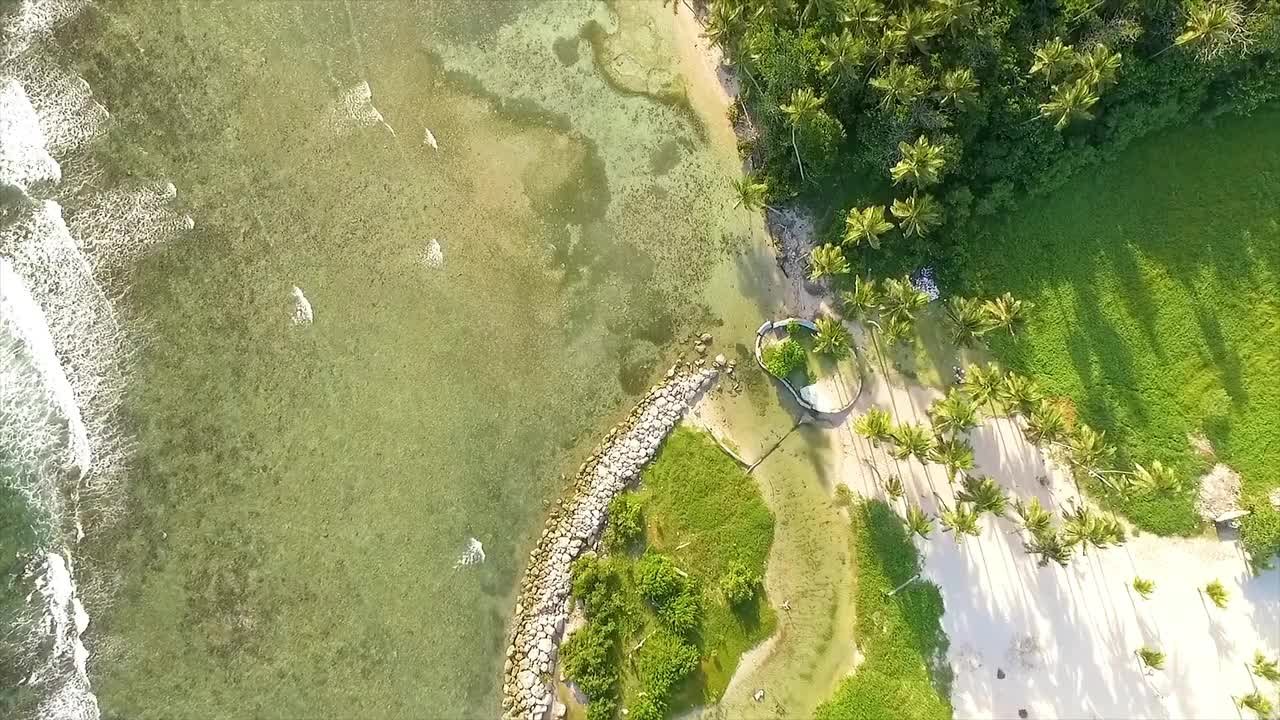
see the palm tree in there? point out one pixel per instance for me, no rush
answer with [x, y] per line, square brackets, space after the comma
[866, 226]
[749, 193]
[1072, 101]
[887, 49]
[810, 9]
[1212, 27]
[1265, 667]
[875, 425]
[1045, 424]
[862, 299]
[1156, 479]
[1053, 60]
[1098, 66]
[1151, 657]
[968, 321]
[953, 15]
[900, 84]
[1144, 587]
[917, 214]
[963, 520]
[983, 385]
[1020, 393]
[1217, 594]
[953, 454]
[725, 25]
[915, 27]
[1032, 516]
[954, 414]
[912, 439]
[827, 260]
[984, 494]
[918, 523]
[803, 108]
[842, 56]
[1258, 703]
[1007, 313]
[897, 330]
[958, 88]
[832, 338]
[1087, 449]
[900, 299]
[862, 16]
[1048, 546]
[921, 163]
[1082, 526]
[894, 487]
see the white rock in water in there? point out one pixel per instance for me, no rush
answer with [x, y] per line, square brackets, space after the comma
[430, 139]
[432, 255]
[302, 314]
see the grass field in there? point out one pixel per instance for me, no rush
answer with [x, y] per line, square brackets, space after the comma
[900, 637]
[704, 511]
[1157, 285]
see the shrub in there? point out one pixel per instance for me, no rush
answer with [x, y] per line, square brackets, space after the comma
[597, 585]
[657, 578]
[739, 584]
[645, 708]
[663, 662]
[626, 521]
[590, 658]
[1260, 533]
[683, 613]
[781, 358]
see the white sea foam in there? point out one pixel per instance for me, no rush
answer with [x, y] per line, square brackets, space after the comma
[473, 555]
[26, 21]
[24, 161]
[115, 227]
[302, 313]
[354, 109]
[432, 256]
[66, 110]
[64, 621]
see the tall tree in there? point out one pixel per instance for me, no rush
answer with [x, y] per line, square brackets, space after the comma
[1032, 516]
[1019, 393]
[876, 426]
[1070, 101]
[1048, 546]
[1007, 312]
[866, 226]
[863, 17]
[955, 455]
[901, 299]
[984, 494]
[917, 214]
[968, 320]
[803, 108]
[725, 25]
[832, 338]
[1156, 479]
[842, 58]
[827, 261]
[900, 84]
[953, 15]
[1212, 27]
[983, 384]
[1053, 60]
[957, 88]
[1099, 66]
[1088, 450]
[749, 193]
[912, 440]
[921, 164]
[954, 413]
[915, 26]
[918, 522]
[1046, 424]
[961, 521]
[862, 299]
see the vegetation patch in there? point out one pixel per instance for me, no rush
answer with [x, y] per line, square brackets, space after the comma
[903, 671]
[1157, 318]
[678, 599]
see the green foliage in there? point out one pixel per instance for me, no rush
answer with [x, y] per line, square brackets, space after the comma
[1144, 587]
[1258, 703]
[1265, 667]
[1217, 594]
[900, 637]
[626, 521]
[1152, 658]
[984, 494]
[590, 659]
[843, 498]
[596, 582]
[683, 613]
[783, 358]
[832, 339]
[665, 660]
[657, 577]
[739, 583]
[827, 261]
[1147, 331]
[645, 708]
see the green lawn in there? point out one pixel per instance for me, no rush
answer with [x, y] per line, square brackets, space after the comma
[900, 637]
[1157, 285]
[704, 511]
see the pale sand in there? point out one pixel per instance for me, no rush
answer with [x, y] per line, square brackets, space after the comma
[1065, 638]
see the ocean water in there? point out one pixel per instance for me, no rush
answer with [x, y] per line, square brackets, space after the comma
[355, 283]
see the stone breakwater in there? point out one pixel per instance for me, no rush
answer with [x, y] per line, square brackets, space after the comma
[542, 606]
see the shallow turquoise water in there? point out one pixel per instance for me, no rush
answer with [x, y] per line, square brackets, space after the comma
[302, 500]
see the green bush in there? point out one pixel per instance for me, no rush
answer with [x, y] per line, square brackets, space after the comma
[781, 358]
[597, 585]
[645, 708]
[739, 583]
[626, 521]
[1260, 533]
[683, 613]
[664, 661]
[657, 578]
[590, 659]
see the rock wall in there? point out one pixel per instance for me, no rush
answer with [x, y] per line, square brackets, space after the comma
[542, 606]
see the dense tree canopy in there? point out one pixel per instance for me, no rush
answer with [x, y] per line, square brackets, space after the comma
[944, 110]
